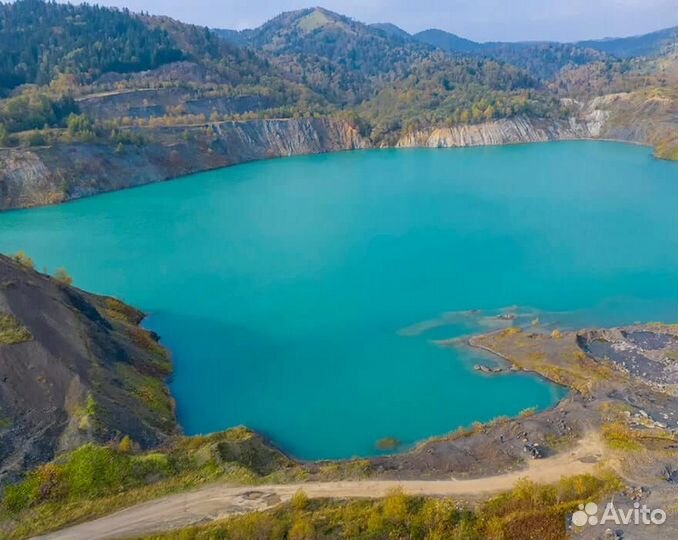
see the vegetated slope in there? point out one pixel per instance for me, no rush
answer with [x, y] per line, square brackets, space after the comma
[452, 92]
[652, 44]
[341, 59]
[39, 41]
[541, 59]
[74, 368]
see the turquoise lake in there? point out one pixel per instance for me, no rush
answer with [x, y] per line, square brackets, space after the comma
[302, 296]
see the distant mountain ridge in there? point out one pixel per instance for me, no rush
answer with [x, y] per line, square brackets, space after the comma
[648, 44]
[318, 30]
[651, 44]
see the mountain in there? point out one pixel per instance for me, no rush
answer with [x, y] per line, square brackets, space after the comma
[349, 62]
[652, 44]
[546, 59]
[448, 41]
[341, 59]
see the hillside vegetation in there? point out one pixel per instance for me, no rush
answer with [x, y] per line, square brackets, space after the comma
[94, 479]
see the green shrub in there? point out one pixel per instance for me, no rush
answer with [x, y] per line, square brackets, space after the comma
[36, 138]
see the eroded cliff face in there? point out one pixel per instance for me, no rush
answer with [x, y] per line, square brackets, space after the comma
[48, 175]
[500, 132]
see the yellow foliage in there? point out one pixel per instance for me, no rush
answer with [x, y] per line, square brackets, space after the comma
[24, 260]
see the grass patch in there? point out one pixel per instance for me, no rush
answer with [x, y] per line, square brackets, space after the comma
[148, 389]
[12, 331]
[115, 309]
[145, 340]
[619, 436]
[95, 480]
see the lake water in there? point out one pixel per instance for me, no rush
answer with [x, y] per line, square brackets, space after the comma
[301, 297]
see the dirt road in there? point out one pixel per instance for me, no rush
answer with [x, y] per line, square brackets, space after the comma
[215, 502]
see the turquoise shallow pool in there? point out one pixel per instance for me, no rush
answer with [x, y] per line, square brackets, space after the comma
[301, 296]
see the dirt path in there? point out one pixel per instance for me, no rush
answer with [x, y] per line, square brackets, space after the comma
[215, 502]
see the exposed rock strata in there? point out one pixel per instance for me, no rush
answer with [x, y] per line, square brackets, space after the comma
[500, 132]
[48, 175]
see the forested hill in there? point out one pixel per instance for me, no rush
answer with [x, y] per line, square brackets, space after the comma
[350, 63]
[40, 40]
[344, 60]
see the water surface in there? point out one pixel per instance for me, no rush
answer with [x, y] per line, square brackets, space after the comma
[288, 289]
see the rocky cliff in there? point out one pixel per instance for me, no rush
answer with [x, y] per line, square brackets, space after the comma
[74, 368]
[509, 131]
[48, 175]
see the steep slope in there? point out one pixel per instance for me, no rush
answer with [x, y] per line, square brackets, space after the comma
[74, 368]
